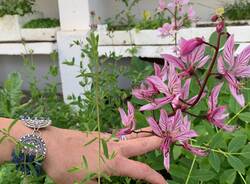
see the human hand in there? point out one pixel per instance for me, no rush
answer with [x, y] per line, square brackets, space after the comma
[66, 148]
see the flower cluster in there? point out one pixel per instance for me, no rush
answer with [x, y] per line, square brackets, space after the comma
[169, 88]
[180, 11]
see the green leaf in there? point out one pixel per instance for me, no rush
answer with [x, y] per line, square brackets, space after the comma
[84, 162]
[203, 175]
[141, 120]
[69, 63]
[105, 148]
[11, 125]
[112, 156]
[245, 116]
[246, 151]
[248, 176]
[214, 161]
[228, 176]
[177, 152]
[89, 142]
[179, 171]
[74, 170]
[237, 143]
[3, 138]
[89, 177]
[217, 140]
[236, 163]
[233, 105]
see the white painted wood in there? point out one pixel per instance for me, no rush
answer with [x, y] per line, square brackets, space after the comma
[143, 51]
[10, 26]
[74, 14]
[152, 37]
[115, 38]
[40, 34]
[70, 84]
[41, 48]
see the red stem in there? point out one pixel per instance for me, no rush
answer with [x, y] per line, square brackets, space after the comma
[209, 71]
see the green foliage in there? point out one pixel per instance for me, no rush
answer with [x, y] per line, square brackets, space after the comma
[11, 95]
[239, 10]
[228, 160]
[42, 23]
[125, 19]
[16, 7]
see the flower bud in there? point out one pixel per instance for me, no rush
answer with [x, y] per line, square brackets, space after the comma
[220, 27]
[187, 46]
[214, 18]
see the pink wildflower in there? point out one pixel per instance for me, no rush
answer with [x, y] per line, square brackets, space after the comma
[216, 114]
[232, 68]
[171, 130]
[189, 63]
[128, 120]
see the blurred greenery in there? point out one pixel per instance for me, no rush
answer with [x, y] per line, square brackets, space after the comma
[16, 7]
[239, 10]
[42, 23]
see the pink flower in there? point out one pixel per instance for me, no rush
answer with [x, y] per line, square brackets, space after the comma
[187, 46]
[147, 90]
[216, 114]
[171, 130]
[184, 96]
[162, 5]
[175, 3]
[165, 30]
[161, 73]
[189, 63]
[197, 151]
[191, 13]
[232, 68]
[128, 120]
[170, 90]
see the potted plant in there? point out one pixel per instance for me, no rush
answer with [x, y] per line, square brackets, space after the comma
[41, 29]
[13, 14]
[145, 32]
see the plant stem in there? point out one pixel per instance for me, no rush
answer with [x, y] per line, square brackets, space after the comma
[175, 25]
[209, 71]
[191, 169]
[96, 86]
[210, 45]
[243, 179]
[238, 113]
[197, 79]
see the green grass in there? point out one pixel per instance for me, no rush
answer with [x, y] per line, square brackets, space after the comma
[42, 23]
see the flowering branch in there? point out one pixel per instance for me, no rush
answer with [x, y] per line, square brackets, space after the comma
[170, 86]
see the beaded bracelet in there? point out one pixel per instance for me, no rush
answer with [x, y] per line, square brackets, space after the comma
[31, 150]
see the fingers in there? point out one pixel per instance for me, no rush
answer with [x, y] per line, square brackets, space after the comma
[140, 146]
[138, 170]
[144, 132]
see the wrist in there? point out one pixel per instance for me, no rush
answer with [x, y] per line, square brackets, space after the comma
[7, 146]
[16, 132]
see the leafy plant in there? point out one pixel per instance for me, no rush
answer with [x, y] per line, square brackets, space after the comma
[239, 10]
[124, 19]
[42, 23]
[16, 7]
